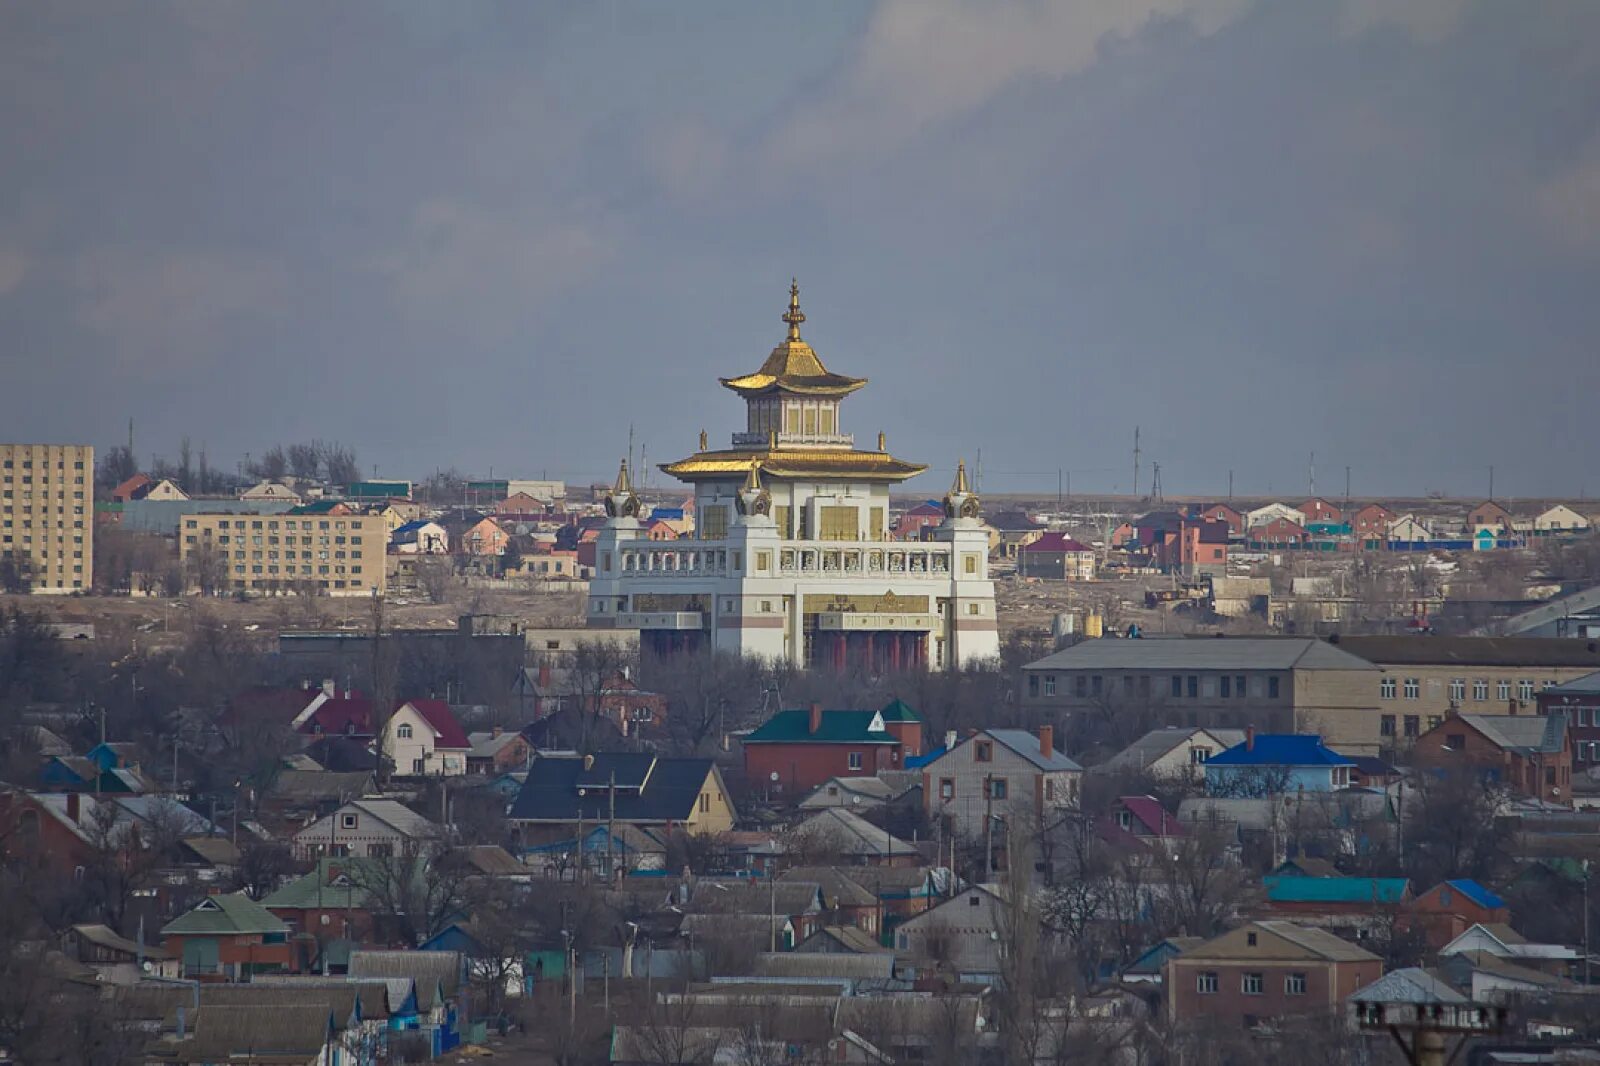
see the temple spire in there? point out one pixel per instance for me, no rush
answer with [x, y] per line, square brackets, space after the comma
[794, 317]
[624, 482]
[961, 479]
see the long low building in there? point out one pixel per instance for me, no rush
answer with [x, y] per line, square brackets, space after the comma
[1277, 684]
[1361, 693]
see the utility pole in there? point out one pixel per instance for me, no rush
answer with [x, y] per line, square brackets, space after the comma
[1135, 462]
[1155, 482]
[1230, 486]
[1313, 475]
[1491, 482]
[1347, 488]
[772, 912]
[611, 829]
[988, 827]
[1058, 490]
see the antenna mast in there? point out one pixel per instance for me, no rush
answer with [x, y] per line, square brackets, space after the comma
[1136, 462]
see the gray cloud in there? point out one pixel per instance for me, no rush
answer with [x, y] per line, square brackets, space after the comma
[501, 233]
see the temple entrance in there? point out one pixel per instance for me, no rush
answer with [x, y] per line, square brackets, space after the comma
[868, 651]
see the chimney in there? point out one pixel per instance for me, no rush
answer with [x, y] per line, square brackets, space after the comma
[544, 676]
[816, 719]
[1249, 738]
[949, 739]
[73, 809]
[329, 687]
[496, 731]
[1047, 740]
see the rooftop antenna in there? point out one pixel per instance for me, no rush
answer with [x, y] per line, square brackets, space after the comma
[1230, 486]
[977, 473]
[1155, 482]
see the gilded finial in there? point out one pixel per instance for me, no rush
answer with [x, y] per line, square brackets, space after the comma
[794, 317]
[702, 440]
[883, 441]
[752, 481]
[772, 440]
[961, 479]
[624, 483]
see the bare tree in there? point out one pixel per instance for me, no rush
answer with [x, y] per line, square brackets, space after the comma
[414, 889]
[596, 664]
[434, 574]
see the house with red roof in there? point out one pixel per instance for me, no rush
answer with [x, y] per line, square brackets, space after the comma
[423, 739]
[910, 525]
[1371, 524]
[346, 714]
[1058, 557]
[1319, 510]
[132, 488]
[1279, 532]
[1139, 824]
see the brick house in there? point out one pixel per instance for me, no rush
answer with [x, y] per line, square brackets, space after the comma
[1350, 903]
[1491, 516]
[1579, 700]
[1371, 524]
[228, 937]
[999, 773]
[1279, 532]
[1221, 512]
[497, 751]
[1318, 510]
[1450, 908]
[1058, 557]
[1529, 753]
[1266, 969]
[796, 750]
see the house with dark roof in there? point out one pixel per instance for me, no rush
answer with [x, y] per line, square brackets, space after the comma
[796, 750]
[1529, 753]
[563, 792]
[497, 751]
[1057, 557]
[1273, 763]
[1139, 823]
[1579, 700]
[423, 739]
[1005, 773]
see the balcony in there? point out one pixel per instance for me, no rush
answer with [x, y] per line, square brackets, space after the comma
[679, 620]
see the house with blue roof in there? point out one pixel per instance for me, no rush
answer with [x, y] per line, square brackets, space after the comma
[1450, 908]
[1269, 764]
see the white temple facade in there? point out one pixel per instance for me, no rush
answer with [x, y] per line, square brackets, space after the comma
[791, 556]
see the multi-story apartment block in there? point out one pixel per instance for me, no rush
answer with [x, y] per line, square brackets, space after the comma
[47, 514]
[341, 555]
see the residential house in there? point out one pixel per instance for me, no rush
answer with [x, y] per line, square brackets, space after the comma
[1271, 512]
[484, 538]
[621, 848]
[1408, 530]
[1266, 969]
[1278, 532]
[841, 940]
[328, 908]
[1503, 942]
[1057, 557]
[1176, 753]
[851, 897]
[1491, 516]
[1421, 679]
[1000, 774]
[1016, 530]
[228, 937]
[270, 492]
[1407, 990]
[1560, 519]
[1450, 908]
[630, 708]
[1225, 513]
[854, 793]
[843, 836]
[1371, 524]
[641, 789]
[1531, 754]
[116, 959]
[132, 489]
[799, 904]
[1361, 906]
[419, 537]
[1273, 763]
[1318, 511]
[423, 739]
[299, 1034]
[497, 752]
[961, 936]
[909, 526]
[1140, 821]
[433, 1006]
[1579, 701]
[1277, 684]
[367, 828]
[796, 750]
[64, 833]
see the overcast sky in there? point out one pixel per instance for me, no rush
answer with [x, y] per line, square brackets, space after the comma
[493, 235]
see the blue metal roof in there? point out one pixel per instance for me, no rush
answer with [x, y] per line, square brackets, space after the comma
[1477, 893]
[1335, 889]
[1280, 749]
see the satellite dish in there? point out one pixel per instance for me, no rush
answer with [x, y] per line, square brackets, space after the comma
[773, 776]
[147, 966]
[326, 920]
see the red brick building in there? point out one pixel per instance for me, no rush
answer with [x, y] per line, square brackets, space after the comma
[796, 750]
[1530, 753]
[1221, 512]
[1450, 908]
[1489, 515]
[1280, 532]
[1267, 969]
[1317, 509]
[1371, 523]
[1579, 700]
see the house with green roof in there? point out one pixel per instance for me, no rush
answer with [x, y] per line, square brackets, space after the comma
[1335, 902]
[228, 937]
[796, 750]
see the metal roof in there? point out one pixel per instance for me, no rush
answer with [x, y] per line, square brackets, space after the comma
[1203, 653]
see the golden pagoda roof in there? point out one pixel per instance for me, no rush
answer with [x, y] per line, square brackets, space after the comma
[793, 365]
[793, 463]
